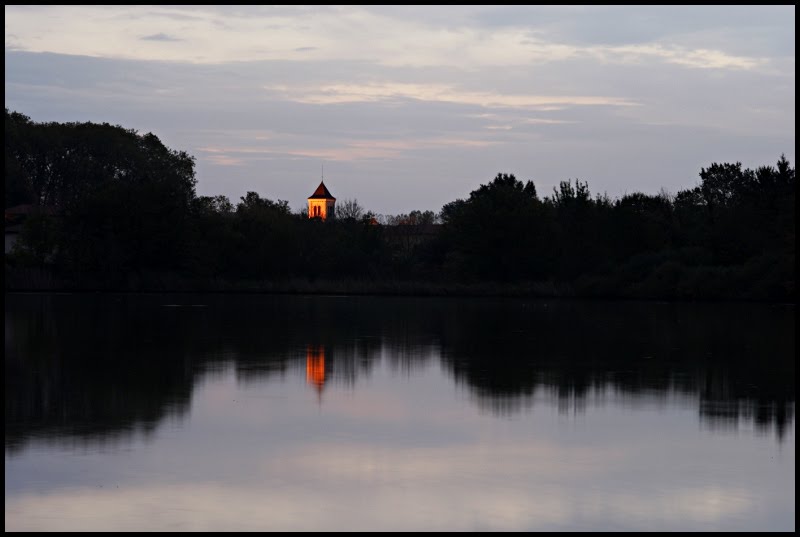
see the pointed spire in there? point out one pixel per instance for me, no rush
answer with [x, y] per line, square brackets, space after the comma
[322, 192]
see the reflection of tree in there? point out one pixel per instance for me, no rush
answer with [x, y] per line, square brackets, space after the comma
[87, 373]
[737, 360]
[101, 367]
[96, 368]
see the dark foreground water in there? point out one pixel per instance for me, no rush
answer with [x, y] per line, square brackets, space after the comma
[178, 412]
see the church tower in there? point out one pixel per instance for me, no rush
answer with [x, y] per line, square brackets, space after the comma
[321, 204]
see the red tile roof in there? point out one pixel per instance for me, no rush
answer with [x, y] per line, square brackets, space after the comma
[321, 193]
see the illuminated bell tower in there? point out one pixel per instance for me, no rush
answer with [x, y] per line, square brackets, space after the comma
[321, 204]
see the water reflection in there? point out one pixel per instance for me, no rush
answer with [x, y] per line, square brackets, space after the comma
[94, 368]
[315, 367]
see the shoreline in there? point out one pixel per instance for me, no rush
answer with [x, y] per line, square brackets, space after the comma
[377, 288]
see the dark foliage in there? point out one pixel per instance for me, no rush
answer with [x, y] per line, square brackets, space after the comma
[116, 207]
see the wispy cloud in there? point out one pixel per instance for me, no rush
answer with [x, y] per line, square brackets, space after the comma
[344, 150]
[393, 92]
[343, 33]
[160, 37]
[221, 156]
[698, 58]
[355, 93]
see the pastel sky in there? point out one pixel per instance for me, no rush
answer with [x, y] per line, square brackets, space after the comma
[412, 107]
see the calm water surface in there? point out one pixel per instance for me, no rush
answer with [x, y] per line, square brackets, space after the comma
[220, 412]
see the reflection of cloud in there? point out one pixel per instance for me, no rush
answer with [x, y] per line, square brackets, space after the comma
[390, 490]
[506, 463]
[204, 507]
[701, 504]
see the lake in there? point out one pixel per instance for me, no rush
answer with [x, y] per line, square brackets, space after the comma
[327, 413]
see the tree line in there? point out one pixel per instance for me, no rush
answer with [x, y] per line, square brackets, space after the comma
[122, 209]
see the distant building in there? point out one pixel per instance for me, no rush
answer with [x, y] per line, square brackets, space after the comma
[321, 204]
[404, 238]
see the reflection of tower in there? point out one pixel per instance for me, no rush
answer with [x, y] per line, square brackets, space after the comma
[315, 367]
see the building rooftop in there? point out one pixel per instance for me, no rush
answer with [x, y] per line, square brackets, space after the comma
[322, 192]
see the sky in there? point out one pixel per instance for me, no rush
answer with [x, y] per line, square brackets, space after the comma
[411, 107]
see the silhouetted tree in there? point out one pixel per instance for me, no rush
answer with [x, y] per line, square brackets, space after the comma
[349, 209]
[113, 206]
[496, 232]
